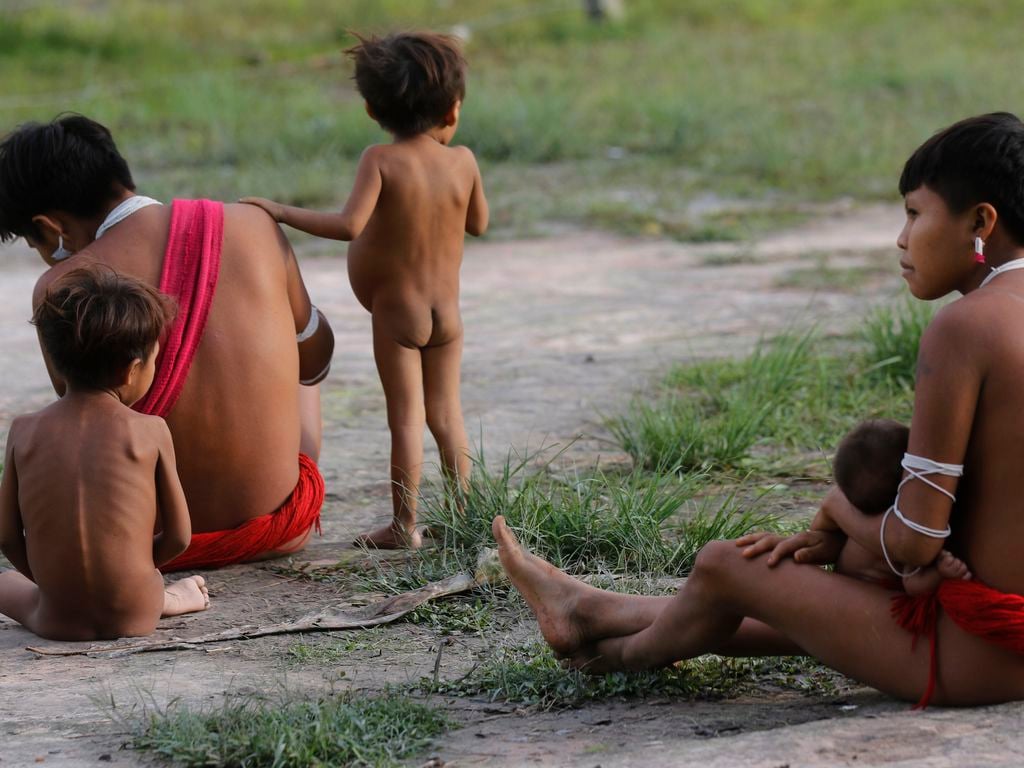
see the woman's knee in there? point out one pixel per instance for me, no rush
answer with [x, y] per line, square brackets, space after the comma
[716, 562]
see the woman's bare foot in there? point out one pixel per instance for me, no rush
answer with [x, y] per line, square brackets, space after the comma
[950, 567]
[186, 595]
[552, 595]
[391, 536]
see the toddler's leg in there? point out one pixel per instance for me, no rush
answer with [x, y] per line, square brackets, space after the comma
[441, 371]
[186, 595]
[401, 374]
[19, 599]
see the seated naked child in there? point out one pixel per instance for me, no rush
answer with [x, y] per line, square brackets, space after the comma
[87, 480]
[868, 470]
[412, 202]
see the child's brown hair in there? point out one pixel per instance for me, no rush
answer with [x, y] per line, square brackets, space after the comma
[867, 466]
[410, 80]
[93, 322]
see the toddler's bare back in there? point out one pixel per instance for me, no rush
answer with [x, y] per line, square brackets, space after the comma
[88, 501]
[404, 266]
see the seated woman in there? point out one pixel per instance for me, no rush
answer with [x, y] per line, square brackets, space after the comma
[246, 432]
[964, 231]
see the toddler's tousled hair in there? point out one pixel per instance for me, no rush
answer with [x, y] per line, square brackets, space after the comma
[410, 80]
[93, 322]
[977, 160]
[867, 465]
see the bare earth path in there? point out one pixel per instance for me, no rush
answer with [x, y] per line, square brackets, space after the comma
[558, 331]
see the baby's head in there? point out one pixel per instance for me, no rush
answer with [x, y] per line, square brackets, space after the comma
[101, 329]
[867, 465]
[411, 82]
[977, 160]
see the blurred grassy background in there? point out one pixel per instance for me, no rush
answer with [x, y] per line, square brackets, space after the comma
[697, 119]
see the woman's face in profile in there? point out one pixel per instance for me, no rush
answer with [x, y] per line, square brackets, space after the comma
[937, 245]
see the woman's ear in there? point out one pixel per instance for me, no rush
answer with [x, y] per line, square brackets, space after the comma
[985, 218]
[50, 228]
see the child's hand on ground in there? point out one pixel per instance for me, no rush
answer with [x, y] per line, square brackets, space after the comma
[274, 209]
[809, 547]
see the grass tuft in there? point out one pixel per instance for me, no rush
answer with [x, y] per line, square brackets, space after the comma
[530, 674]
[893, 335]
[334, 730]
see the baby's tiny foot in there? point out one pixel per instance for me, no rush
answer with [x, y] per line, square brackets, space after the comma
[950, 567]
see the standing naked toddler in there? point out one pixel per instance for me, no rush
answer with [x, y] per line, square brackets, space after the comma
[412, 202]
[87, 480]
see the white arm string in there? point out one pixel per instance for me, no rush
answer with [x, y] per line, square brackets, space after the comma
[918, 467]
[311, 326]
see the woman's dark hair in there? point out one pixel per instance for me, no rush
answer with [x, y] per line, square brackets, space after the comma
[867, 466]
[978, 160]
[70, 164]
[93, 322]
[410, 80]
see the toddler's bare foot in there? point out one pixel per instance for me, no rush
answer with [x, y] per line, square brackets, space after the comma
[552, 595]
[186, 595]
[950, 567]
[391, 536]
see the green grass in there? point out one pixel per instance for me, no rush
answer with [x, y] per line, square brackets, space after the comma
[337, 730]
[892, 336]
[629, 126]
[782, 409]
[529, 674]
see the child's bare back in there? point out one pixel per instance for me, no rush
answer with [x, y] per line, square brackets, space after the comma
[86, 482]
[404, 265]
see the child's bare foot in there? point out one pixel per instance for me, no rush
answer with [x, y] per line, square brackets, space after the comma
[552, 595]
[391, 536]
[950, 567]
[186, 595]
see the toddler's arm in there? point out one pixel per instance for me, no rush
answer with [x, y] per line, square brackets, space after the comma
[477, 214]
[12, 530]
[176, 528]
[346, 225]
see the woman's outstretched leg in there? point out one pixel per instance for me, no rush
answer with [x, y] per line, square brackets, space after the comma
[843, 622]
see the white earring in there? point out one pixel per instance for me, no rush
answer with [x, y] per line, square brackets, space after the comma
[61, 253]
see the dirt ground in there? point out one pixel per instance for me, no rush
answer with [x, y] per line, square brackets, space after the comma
[558, 331]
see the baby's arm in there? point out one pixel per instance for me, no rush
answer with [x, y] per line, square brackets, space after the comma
[346, 225]
[12, 529]
[477, 214]
[175, 526]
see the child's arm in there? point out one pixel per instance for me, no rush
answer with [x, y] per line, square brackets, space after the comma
[175, 526]
[477, 214]
[12, 530]
[346, 225]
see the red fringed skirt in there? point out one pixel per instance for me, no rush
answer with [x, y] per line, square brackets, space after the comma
[995, 616]
[261, 534]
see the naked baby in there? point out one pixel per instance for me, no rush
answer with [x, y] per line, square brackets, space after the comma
[86, 480]
[868, 469]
